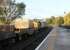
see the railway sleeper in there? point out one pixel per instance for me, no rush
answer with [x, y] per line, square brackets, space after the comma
[7, 42]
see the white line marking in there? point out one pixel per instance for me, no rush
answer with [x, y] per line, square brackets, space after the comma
[43, 41]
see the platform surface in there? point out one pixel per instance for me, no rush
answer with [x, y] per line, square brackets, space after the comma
[57, 39]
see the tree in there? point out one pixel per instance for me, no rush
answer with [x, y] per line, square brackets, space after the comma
[51, 20]
[59, 20]
[21, 8]
[55, 20]
[1, 12]
[67, 19]
[11, 10]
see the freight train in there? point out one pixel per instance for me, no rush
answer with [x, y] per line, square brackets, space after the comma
[20, 27]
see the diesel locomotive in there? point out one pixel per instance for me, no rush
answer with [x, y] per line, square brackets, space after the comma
[20, 27]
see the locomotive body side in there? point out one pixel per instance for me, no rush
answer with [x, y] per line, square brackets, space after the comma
[6, 31]
[43, 24]
[6, 28]
[30, 30]
[21, 26]
[24, 27]
[35, 25]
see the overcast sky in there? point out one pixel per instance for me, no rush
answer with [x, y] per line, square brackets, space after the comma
[45, 8]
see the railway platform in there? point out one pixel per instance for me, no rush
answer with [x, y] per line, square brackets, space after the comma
[57, 39]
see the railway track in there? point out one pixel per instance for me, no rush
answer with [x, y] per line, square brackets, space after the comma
[31, 42]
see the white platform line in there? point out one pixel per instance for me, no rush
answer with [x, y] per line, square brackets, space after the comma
[43, 41]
